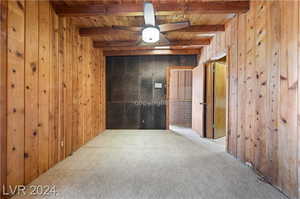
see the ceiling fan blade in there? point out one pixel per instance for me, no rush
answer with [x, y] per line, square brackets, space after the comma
[128, 28]
[140, 41]
[163, 39]
[173, 26]
[149, 14]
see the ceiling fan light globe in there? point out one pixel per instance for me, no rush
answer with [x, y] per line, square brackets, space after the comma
[150, 35]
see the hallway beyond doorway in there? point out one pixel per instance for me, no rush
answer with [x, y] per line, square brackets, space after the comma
[154, 164]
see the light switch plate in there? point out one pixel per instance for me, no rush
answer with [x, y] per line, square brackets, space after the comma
[158, 85]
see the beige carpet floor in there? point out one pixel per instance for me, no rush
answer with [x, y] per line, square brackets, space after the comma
[154, 164]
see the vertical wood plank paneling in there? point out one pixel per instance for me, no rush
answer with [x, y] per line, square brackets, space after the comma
[31, 91]
[57, 87]
[83, 105]
[81, 93]
[267, 89]
[68, 90]
[75, 87]
[97, 91]
[250, 125]
[287, 146]
[271, 91]
[90, 82]
[65, 86]
[54, 81]
[103, 90]
[44, 80]
[94, 92]
[53, 97]
[100, 83]
[3, 91]
[15, 92]
[92, 87]
[273, 52]
[241, 87]
[54, 91]
[87, 52]
[233, 78]
[61, 85]
[261, 81]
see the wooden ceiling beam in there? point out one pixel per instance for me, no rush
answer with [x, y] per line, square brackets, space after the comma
[204, 28]
[116, 44]
[136, 9]
[93, 31]
[151, 52]
[123, 48]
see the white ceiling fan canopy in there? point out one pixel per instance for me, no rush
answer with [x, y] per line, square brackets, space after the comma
[150, 34]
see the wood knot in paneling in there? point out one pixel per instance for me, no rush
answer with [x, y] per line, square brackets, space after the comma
[283, 77]
[283, 120]
[18, 54]
[26, 155]
[33, 67]
[20, 5]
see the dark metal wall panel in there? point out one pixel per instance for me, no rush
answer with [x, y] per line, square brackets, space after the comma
[159, 113]
[132, 116]
[132, 100]
[146, 117]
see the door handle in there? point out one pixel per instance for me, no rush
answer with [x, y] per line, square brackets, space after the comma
[202, 103]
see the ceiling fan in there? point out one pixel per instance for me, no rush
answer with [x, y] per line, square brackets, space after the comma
[150, 32]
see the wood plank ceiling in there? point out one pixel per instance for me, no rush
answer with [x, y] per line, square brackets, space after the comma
[95, 19]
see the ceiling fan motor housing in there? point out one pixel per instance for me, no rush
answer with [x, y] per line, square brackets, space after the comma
[150, 34]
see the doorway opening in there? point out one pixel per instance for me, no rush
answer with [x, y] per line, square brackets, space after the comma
[197, 100]
[179, 96]
[215, 100]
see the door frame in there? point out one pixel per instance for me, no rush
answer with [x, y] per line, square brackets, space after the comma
[167, 86]
[227, 64]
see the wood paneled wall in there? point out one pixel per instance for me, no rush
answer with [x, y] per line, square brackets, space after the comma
[52, 89]
[3, 91]
[55, 88]
[264, 92]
